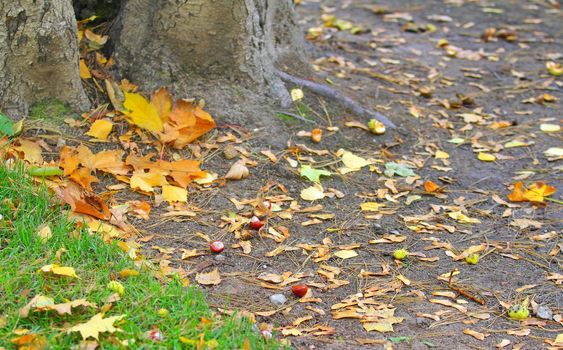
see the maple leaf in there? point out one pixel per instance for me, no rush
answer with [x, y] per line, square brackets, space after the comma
[187, 123]
[537, 191]
[100, 129]
[517, 194]
[146, 181]
[313, 174]
[174, 194]
[83, 203]
[141, 112]
[96, 325]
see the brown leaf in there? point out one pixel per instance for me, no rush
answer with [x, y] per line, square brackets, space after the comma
[210, 278]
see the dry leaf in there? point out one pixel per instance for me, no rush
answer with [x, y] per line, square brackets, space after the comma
[346, 254]
[59, 270]
[211, 278]
[312, 193]
[100, 129]
[474, 334]
[174, 194]
[238, 171]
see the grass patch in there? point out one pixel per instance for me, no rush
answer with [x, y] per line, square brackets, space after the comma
[24, 207]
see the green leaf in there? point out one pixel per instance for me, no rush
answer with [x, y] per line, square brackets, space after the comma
[398, 339]
[6, 126]
[44, 171]
[398, 169]
[314, 174]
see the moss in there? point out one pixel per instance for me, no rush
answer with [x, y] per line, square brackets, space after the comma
[49, 109]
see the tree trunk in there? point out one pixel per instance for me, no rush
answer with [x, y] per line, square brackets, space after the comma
[209, 47]
[38, 55]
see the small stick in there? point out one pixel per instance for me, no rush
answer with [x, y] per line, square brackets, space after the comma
[330, 93]
[297, 117]
[462, 292]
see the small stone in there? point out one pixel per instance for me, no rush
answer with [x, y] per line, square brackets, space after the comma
[544, 312]
[219, 257]
[278, 299]
[395, 232]
[377, 228]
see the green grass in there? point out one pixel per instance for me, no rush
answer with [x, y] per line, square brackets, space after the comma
[24, 207]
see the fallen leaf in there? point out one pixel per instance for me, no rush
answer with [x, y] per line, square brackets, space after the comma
[525, 223]
[460, 217]
[211, 278]
[486, 157]
[475, 334]
[312, 193]
[100, 129]
[96, 325]
[84, 71]
[174, 194]
[346, 254]
[237, 171]
[142, 113]
[59, 270]
[371, 206]
[313, 174]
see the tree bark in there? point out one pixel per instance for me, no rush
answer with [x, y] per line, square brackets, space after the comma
[39, 55]
[203, 45]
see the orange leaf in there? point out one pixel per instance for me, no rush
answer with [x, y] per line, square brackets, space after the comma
[431, 187]
[517, 194]
[537, 191]
[69, 160]
[84, 178]
[84, 203]
[162, 101]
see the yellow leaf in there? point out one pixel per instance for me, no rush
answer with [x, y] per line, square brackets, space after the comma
[312, 193]
[146, 181]
[59, 270]
[537, 191]
[457, 215]
[352, 162]
[346, 254]
[84, 71]
[100, 129]
[441, 155]
[211, 278]
[174, 194]
[126, 273]
[95, 326]
[141, 113]
[486, 157]
[515, 143]
[371, 206]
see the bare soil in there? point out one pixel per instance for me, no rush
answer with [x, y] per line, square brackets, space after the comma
[508, 72]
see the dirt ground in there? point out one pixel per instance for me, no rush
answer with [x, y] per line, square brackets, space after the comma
[399, 65]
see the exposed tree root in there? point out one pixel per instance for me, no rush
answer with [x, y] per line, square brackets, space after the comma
[330, 93]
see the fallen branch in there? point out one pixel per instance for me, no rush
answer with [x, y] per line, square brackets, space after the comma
[330, 93]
